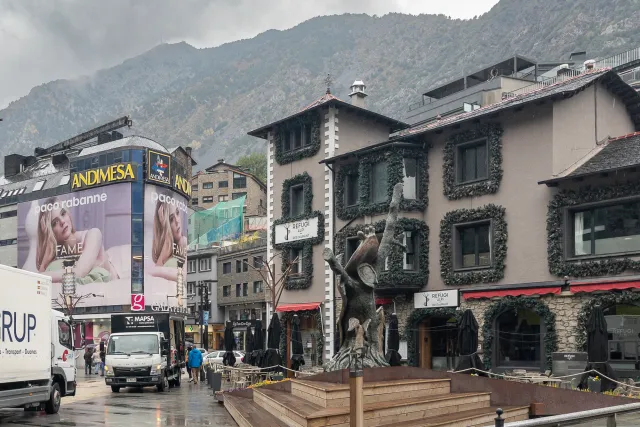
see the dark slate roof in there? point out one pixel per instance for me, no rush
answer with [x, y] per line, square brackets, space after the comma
[328, 100]
[617, 154]
[558, 90]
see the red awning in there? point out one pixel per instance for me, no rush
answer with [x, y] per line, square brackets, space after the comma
[383, 301]
[604, 286]
[512, 292]
[298, 307]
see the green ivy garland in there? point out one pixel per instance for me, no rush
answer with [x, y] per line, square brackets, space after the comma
[558, 265]
[514, 304]
[309, 150]
[396, 279]
[302, 280]
[413, 322]
[303, 179]
[604, 301]
[395, 174]
[286, 316]
[499, 226]
[452, 190]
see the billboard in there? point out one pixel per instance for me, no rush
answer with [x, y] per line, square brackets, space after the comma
[91, 228]
[165, 245]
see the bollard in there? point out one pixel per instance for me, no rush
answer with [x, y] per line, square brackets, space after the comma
[499, 420]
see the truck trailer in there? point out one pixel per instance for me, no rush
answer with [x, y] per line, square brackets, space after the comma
[37, 366]
[145, 349]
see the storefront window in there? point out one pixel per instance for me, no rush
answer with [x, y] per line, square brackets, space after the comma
[623, 327]
[519, 341]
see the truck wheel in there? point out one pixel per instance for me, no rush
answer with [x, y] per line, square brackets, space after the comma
[52, 406]
[115, 389]
[164, 385]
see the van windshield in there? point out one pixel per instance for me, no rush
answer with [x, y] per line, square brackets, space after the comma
[133, 344]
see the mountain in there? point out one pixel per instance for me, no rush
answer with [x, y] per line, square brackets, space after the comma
[209, 98]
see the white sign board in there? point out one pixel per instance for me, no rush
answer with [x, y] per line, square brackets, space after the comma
[297, 230]
[436, 299]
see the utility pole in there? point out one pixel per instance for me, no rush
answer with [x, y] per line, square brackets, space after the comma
[205, 305]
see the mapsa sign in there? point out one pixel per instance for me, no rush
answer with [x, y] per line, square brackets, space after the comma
[297, 230]
[120, 172]
[437, 299]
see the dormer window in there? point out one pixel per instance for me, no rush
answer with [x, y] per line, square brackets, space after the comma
[39, 185]
[296, 138]
[64, 180]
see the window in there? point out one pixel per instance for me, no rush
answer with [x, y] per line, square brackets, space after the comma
[194, 187]
[233, 314]
[473, 245]
[296, 138]
[352, 244]
[379, 187]
[191, 288]
[238, 266]
[205, 264]
[8, 242]
[245, 289]
[519, 339]
[223, 198]
[257, 287]
[38, 186]
[207, 199]
[245, 265]
[207, 185]
[235, 196]
[8, 214]
[623, 345]
[64, 180]
[223, 184]
[297, 200]
[191, 266]
[22, 190]
[472, 164]
[605, 230]
[257, 261]
[239, 180]
[226, 268]
[238, 289]
[351, 190]
[410, 256]
[64, 332]
[194, 201]
[296, 261]
[226, 291]
[410, 179]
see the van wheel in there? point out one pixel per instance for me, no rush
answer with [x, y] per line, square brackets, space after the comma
[53, 404]
[115, 389]
[164, 385]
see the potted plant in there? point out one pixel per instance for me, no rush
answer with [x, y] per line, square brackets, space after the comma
[595, 384]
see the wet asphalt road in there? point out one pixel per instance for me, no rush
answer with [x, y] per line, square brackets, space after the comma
[96, 405]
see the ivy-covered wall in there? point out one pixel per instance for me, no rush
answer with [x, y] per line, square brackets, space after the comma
[559, 265]
[452, 189]
[499, 245]
[310, 150]
[318, 334]
[395, 174]
[395, 279]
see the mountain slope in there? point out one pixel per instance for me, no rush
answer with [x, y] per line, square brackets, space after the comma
[210, 98]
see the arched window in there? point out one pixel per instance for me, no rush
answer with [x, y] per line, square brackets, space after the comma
[519, 340]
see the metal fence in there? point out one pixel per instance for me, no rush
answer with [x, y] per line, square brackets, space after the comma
[569, 74]
[619, 59]
[574, 418]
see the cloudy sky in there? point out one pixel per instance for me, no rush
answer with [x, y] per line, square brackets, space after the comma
[44, 40]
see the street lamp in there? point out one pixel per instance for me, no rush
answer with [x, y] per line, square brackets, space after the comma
[68, 279]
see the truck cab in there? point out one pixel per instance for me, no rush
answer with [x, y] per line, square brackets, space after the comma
[63, 366]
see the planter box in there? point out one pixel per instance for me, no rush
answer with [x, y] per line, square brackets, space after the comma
[219, 396]
[595, 386]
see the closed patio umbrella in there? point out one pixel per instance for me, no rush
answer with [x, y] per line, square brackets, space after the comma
[468, 344]
[229, 359]
[393, 356]
[249, 346]
[598, 350]
[271, 356]
[258, 345]
[297, 352]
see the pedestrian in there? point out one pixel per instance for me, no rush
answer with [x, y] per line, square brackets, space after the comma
[87, 361]
[103, 355]
[195, 361]
[187, 361]
[96, 361]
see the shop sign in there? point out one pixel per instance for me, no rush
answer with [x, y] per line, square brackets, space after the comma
[159, 167]
[242, 323]
[437, 299]
[100, 176]
[169, 308]
[182, 185]
[137, 302]
[297, 230]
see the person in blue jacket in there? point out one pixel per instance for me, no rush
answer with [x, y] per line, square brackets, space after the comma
[195, 362]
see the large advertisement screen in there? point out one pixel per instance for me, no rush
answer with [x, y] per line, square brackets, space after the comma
[89, 229]
[165, 245]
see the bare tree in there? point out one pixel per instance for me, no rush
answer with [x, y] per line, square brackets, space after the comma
[274, 283]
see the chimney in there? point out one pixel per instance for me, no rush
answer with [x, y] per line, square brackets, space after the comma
[590, 64]
[358, 94]
[220, 160]
[188, 150]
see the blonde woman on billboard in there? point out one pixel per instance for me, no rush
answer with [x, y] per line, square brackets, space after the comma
[169, 244]
[58, 239]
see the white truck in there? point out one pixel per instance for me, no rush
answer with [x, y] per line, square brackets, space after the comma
[37, 367]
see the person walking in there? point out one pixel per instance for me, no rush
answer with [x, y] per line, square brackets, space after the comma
[195, 362]
[87, 361]
[187, 361]
[96, 360]
[103, 355]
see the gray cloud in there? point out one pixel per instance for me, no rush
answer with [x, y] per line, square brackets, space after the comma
[44, 40]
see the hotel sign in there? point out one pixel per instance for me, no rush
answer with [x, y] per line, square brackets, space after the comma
[159, 167]
[100, 176]
[437, 299]
[296, 230]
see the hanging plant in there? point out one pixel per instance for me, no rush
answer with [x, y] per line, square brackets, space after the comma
[310, 150]
[496, 214]
[452, 189]
[558, 264]
[547, 316]
[411, 332]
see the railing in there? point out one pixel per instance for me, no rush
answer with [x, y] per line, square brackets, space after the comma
[631, 76]
[569, 74]
[572, 418]
[619, 59]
